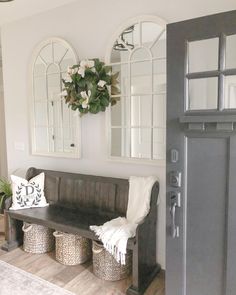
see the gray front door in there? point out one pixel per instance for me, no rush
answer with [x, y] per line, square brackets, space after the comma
[201, 156]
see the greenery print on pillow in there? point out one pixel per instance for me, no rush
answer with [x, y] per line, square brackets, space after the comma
[86, 86]
[28, 194]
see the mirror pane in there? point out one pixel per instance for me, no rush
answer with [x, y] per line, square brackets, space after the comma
[40, 88]
[41, 113]
[117, 140]
[54, 86]
[46, 54]
[141, 77]
[122, 88]
[159, 147]
[159, 110]
[116, 112]
[69, 140]
[53, 69]
[39, 68]
[67, 115]
[158, 49]
[68, 60]
[230, 92]
[57, 135]
[150, 32]
[59, 51]
[125, 43]
[159, 76]
[41, 139]
[203, 93]
[230, 52]
[141, 54]
[141, 143]
[56, 113]
[118, 56]
[141, 109]
[203, 55]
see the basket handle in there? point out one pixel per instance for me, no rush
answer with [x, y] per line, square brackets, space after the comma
[57, 234]
[95, 251]
[26, 228]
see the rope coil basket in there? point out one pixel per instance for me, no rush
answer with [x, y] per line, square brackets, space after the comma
[72, 249]
[106, 267]
[38, 239]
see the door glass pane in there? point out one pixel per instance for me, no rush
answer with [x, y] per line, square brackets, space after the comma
[203, 93]
[203, 55]
[231, 52]
[230, 92]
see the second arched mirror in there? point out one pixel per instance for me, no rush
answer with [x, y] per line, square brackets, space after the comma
[136, 124]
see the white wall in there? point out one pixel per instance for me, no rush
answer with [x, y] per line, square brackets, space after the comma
[3, 156]
[87, 25]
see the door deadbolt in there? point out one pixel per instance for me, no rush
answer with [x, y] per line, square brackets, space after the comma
[175, 178]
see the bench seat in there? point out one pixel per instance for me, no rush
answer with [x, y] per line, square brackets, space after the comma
[65, 219]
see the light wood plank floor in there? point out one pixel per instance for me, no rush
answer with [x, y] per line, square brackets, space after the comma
[77, 279]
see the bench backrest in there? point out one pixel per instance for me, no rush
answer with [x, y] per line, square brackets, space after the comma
[86, 192]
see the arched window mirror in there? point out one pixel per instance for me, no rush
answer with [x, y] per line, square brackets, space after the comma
[137, 123]
[55, 128]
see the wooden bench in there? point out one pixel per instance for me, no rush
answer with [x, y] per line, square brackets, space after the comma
[78, 201]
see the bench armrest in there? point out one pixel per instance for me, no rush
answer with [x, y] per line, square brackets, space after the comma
[7, 203]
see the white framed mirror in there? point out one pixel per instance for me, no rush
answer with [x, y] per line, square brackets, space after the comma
[55, 128]
[136, 124]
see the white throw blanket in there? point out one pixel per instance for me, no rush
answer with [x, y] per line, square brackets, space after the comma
[115, 233]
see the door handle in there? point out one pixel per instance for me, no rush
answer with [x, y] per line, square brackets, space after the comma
[175, 202]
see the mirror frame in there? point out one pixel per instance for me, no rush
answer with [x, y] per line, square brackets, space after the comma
[121, 28]
[33, 150]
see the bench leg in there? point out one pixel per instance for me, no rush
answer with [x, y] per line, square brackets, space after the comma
[13, 233]
[143, 273]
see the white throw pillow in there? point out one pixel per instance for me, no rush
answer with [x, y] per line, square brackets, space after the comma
[28, 194]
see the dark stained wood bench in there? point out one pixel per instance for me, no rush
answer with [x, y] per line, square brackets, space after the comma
[78, 201]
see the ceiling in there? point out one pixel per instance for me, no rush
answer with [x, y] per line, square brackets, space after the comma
[171, 10]
[11, 11]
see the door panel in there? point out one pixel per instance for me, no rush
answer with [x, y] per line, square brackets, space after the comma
[201, 157]
[206, 211]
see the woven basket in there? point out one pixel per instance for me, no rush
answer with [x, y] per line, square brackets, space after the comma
[37, 238]
[106, 267]
[72, 249]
